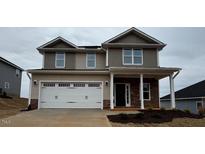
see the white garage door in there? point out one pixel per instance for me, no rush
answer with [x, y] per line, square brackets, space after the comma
[71, 95]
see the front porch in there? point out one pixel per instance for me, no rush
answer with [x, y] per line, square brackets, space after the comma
[127, 92]
[138, 88]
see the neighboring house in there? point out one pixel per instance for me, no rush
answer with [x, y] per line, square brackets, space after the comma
[10, 78]
[191, 98]
[116, 74]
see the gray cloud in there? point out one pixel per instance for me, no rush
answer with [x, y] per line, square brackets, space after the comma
[185, 48]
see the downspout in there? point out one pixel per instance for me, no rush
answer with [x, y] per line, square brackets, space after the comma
[29, 97]
[172, 91]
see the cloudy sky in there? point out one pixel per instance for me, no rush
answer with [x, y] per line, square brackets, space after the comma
[185, 49]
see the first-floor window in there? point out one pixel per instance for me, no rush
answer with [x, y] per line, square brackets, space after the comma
[199, 105]
[6, 85]
[146, 89]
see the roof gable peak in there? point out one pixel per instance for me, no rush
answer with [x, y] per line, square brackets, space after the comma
[137, 32]
[59, 38]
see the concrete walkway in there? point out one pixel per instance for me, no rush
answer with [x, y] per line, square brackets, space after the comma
[58, 118]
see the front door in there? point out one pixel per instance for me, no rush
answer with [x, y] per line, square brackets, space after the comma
[120, 95]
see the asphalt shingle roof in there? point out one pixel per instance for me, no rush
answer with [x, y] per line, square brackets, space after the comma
[195, 90]
[10, 63]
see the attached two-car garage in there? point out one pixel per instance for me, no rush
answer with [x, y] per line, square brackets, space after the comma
[71, 95]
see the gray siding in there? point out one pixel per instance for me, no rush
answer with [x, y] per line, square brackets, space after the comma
[8, 74]
[49, 60]
[182, 105]
[73, 61]
[131, 38]
[149, 58]
[70, 61]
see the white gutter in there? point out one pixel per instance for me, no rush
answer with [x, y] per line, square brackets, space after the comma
[176, 74]
[188, 98]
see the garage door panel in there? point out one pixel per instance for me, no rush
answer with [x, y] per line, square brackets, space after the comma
[71, 97]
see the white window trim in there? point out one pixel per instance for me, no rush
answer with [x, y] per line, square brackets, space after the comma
[149, 91]
[56, 60]
[6, 85]
[87, 61]
[132, 49]
[201, 102]
[127, 102]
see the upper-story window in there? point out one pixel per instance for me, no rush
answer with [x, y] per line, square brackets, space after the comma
[60, 60]
[132, 57]
[91, 60]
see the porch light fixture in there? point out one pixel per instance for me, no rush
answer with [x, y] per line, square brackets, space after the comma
[106, 83]
[35, 82]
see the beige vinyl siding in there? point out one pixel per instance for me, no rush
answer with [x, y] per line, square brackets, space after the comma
[106, 89]
[149, 58]
[100, 61]
[80, 62]
[115, 58]
[73, 61]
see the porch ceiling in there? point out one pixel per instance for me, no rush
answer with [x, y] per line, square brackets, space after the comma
[133, 72]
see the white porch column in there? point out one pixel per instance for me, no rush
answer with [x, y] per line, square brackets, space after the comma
[141, 91]
[172, 93]
[111, 91]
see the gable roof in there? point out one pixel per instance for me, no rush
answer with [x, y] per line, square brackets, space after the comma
[193, 91]
[137, 32]
[150, 42]
[56, 40]
[10, 63]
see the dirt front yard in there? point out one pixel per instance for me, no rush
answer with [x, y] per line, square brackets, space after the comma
[157, 119]
[10, 107]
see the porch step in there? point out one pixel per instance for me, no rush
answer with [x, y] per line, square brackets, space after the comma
[125, 109]
[131, 109]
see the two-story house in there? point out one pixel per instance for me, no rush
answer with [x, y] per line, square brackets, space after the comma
[10, 78]
[123, 72]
